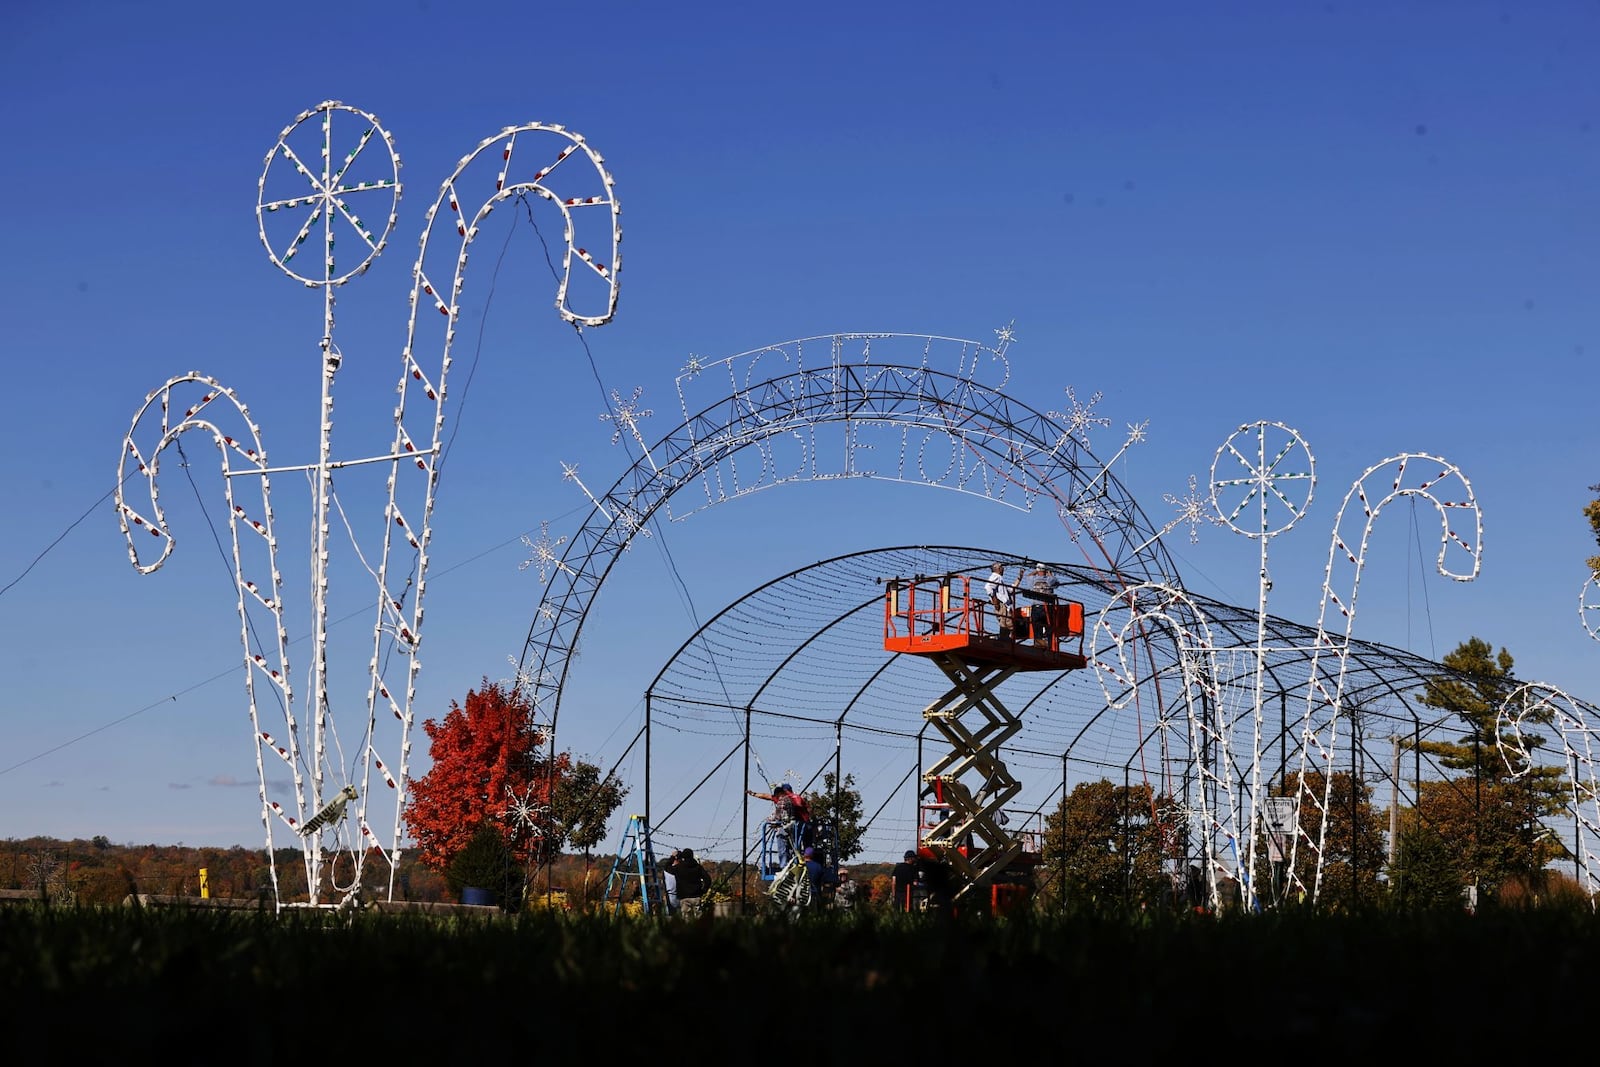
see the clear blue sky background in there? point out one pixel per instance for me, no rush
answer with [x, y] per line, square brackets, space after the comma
[1377, 223]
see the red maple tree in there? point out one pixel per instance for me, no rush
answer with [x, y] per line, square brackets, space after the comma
[488, 767]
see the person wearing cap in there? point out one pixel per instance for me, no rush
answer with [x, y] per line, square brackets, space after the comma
[1043, 587]
[1001, 597]
[905, 876]
[814, 874]
[788, 809]
[844, 894]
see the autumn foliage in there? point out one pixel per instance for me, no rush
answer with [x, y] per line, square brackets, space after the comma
[488, 767]
[491, 768]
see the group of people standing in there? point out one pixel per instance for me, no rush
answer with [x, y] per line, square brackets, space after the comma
[1001, 593]
[808, 884]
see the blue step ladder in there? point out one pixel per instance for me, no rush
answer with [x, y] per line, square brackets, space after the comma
[634, 874]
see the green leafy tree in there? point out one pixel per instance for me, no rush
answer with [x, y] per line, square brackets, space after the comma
[1353, 847]
[1591, 511]
[1426, 875]
[1494, 805]
[585, 801]
[842, 805]
[1104, 848]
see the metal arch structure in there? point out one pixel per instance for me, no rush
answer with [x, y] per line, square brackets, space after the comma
[823, 688]
[328, 802]
[954, 432]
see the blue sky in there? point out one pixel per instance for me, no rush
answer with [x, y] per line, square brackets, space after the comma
[1378, 224]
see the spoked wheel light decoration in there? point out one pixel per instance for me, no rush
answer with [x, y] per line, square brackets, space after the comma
[1264, 471]
[1441, 483]
[332, 170]
[1534, 704]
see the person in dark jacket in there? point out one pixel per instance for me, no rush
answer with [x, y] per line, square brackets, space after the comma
[906, 875]
[691, 878]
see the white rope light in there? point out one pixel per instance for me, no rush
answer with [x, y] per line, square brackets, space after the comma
[159, 424]
[1589, 606]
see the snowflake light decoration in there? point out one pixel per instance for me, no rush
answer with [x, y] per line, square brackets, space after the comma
[522, 811]
[544, 552]
[627, 414]
[1193, 509]
[1004, 336]
[1079, 419]
[1094, 514]
[629, 518]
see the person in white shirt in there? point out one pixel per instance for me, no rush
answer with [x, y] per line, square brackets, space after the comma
[1002, 597]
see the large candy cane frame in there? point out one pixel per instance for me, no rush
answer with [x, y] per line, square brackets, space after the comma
[414, 455]
[254, 553]
[1347, 556]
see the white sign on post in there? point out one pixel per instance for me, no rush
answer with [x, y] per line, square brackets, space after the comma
[1279, 814]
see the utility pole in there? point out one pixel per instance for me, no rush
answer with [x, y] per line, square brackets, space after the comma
[1394, 801]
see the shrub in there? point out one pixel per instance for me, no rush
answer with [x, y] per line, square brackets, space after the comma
[487, 863]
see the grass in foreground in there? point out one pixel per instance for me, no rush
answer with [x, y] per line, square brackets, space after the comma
[208, 986]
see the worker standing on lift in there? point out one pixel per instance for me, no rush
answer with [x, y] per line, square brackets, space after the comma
[1043, 586]
[1001, 597]
[787, 821]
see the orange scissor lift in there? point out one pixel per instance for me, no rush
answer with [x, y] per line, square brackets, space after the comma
[938, 618]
